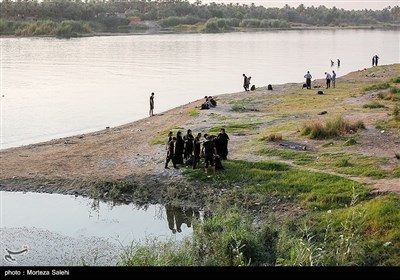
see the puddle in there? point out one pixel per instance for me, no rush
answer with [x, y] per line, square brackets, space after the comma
[64, 229]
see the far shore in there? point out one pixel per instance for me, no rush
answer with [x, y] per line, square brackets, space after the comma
[239, 29]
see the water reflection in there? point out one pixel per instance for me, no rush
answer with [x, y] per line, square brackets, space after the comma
[176, 216]
[80, 216]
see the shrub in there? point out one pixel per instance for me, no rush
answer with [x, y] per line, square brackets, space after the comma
[332, 128]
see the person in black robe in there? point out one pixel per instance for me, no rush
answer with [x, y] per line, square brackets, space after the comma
[179, 147]
[170, 153]
[222, 139]
[196, 150]
[188, 139]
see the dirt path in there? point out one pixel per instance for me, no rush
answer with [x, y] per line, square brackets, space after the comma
[73, 164]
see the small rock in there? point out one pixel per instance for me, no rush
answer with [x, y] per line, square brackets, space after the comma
[387, 244]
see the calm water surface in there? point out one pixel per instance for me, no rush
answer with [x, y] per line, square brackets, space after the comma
[54, 87]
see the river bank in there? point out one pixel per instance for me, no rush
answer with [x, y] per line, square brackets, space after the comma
[74, 164]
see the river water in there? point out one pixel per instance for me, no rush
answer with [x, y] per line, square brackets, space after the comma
[52, 88]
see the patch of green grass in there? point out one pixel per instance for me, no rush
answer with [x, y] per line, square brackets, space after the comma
[333, 127]
[193, 112]
[327, 144]
[396, 172]
[395, 80]
[373, 105]
[218, 117]
[350, 164]
[162, 137]
[235, 127]
[312, 189]
[298, 157]
[381, 230]
[238, 108]
[380, 86]
[350, 142]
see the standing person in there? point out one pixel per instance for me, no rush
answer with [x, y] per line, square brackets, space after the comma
[188, 139]
[338, 62]
[151, 104]
[179, 147]
[209, 152]
[333, 78]
[332, 63]
[248, 83]
[245, 82]
[170, 153]
[308, 79]
[373, 61]
[222, 139]
[196, 149]
[376, 60]
[328, 80]
[169, 139]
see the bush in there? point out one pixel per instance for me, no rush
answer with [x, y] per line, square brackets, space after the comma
[333, 127]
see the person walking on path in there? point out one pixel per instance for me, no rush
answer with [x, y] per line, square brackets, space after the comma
[308, 79]
[338, 62]
[333, 79]
[151, 104]
[328, 80]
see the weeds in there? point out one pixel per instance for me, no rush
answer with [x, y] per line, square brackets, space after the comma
[333, 127]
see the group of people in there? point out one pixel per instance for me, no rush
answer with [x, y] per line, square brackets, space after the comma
[208, 103]
[212, 148]
[333, 63]
[328, 77]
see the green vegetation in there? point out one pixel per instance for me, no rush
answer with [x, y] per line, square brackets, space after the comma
[373, 105]
[311, 189]
[333, 127]
[193, 112]
[227, 238]
[126, 16]
[66, 28]
[235, 127]
[362, 233]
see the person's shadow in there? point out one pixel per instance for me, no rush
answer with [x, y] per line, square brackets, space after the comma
[176, 216]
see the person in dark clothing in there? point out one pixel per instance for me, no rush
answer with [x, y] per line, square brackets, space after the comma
[179, 147]
[170, 153]
[196, 150]
[217, 163]
[308, 79]
[222, 139]
[188, 139]
[376, 60]
[245, 82]
[151, 104]
[338, 62]
[209, 152]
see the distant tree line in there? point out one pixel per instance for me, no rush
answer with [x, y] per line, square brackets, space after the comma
[111, 14]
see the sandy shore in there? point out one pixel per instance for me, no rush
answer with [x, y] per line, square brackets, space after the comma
[73, 164]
